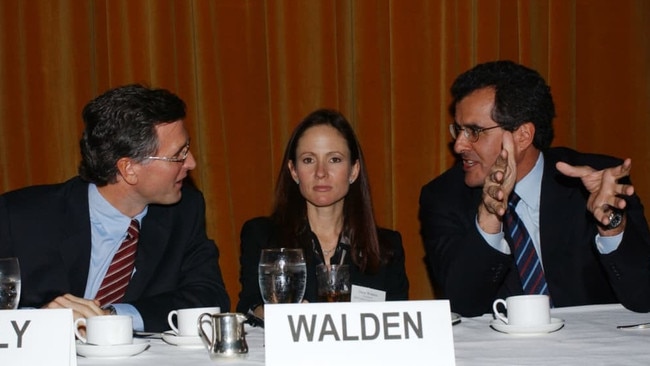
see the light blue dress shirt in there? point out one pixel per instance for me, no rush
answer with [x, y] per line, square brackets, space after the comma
[529, 190]
[108, 229]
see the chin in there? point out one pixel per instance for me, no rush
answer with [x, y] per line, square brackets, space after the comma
[323, 203]
[170, 200]
[474, 182]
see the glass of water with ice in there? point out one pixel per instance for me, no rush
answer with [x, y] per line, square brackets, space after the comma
[282, 275]
[9, 283]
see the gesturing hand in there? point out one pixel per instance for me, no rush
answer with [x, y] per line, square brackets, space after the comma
[605, 191]
[498, 185]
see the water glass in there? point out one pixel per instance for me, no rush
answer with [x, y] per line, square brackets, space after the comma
[9, 283]
[282, 275]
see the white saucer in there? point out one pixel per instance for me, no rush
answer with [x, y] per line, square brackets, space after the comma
[123, 350]
[554, 325]
[181, 341]
[455, 318]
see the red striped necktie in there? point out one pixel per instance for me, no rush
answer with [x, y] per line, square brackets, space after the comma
[528, 263]
[119, 272]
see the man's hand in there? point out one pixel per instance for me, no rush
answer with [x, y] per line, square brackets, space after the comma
[498, 185]
[605, 191]
[81, 308]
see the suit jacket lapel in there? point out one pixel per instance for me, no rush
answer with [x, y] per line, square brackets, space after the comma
[76, 241]
[154, 238]
[553, 221]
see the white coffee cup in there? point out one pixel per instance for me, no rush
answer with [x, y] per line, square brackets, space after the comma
[106, 330]
[524, 310]
[187, 320]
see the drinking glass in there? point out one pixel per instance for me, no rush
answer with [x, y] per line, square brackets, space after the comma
[9, 283]
[333, 282]
[282, 275]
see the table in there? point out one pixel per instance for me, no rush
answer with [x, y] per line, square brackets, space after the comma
[160, 353]
[589, 337]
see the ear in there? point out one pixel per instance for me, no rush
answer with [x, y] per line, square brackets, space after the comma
[127, 170]
[523, 136]
[354, 172]
[292, 170]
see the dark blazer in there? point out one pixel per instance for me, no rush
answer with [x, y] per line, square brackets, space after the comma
[472, 274]
[48, 229]
[259, 233]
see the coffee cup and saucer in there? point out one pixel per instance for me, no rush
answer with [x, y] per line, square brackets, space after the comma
[527, 315]
[108, 336]
[184, 332]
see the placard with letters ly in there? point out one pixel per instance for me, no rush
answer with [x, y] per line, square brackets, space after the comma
[374, 333]
[37, 337]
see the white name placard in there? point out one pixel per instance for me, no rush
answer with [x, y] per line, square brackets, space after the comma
[375, 333]
[37, 337]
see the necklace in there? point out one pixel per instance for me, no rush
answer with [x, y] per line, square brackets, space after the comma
[327, 252]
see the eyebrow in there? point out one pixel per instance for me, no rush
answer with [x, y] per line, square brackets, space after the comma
[326, 154]
[469, 125]
[187, 143]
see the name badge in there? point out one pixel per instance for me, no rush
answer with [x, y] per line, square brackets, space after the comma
[376, 333]
[366, 294]
[37, 337]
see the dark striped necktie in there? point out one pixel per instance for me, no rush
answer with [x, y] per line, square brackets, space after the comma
[528, 263]
[119, 272]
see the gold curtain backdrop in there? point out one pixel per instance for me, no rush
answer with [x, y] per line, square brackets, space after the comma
[250, 70]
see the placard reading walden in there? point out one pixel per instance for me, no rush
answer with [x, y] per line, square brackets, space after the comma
[375, 333]
[37, 337]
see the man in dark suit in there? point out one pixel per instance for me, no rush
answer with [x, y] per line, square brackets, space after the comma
[135, 158]
[582, 217]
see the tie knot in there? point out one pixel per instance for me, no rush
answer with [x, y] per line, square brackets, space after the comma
[514, 200]
[134, 228]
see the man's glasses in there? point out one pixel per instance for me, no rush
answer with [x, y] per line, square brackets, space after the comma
[178, 158]
[471, 133]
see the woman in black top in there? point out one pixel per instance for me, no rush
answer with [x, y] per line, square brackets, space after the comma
[323, 205]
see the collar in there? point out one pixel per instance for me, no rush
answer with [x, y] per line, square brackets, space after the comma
[529, 187]
[104, 215]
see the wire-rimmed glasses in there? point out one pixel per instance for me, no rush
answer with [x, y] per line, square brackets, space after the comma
[178, 158]
[471, 133]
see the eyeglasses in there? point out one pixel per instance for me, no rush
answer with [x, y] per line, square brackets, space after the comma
[471, 133]
[178, 158]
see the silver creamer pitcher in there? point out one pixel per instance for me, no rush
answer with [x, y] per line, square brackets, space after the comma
[228, 337]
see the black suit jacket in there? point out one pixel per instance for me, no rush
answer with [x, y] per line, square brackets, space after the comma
[48, 229]
[472, 274]
[259, 233]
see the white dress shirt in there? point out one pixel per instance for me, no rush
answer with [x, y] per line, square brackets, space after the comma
[108, 229]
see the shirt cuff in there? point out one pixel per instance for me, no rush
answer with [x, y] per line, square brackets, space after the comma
[128, 309]
[608, 244]
[496, 241]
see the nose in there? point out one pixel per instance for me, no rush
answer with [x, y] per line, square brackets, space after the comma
[461, 144]
[190, 162]
[321, 170]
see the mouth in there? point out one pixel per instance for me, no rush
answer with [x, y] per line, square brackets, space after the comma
[468, 164]
[322, 188]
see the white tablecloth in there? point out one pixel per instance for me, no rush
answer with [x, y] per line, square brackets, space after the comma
[160, 353]
[589, 337]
